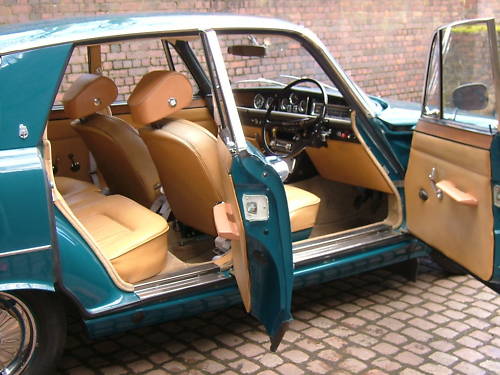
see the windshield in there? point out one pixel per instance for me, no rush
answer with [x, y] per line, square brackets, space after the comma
[276, 61]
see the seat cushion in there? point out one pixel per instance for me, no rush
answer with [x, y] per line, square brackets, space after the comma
[131, 237]
[303, 207]
[76, 192]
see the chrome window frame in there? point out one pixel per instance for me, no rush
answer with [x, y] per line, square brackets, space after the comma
[222, 92]
[495, 66]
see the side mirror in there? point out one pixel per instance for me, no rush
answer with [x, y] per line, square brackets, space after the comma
[470, 97]
[247, 50]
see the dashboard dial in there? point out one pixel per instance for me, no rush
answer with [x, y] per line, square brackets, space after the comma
[269, 101]
[259, 101]
[284, 104]
[302, 108]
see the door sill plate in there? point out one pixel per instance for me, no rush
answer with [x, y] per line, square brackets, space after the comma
[335, 245]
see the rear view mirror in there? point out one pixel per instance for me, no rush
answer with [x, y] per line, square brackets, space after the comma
[247, 50]
[471, 97]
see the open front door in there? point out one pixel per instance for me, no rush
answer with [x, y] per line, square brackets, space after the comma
[254, 215]
[452, 185]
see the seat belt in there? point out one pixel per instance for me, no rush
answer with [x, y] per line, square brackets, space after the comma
[93, 171]
[160, 204]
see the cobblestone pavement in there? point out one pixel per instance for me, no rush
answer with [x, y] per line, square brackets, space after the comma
[377, 323]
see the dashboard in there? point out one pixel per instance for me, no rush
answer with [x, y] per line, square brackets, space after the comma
[299, 104]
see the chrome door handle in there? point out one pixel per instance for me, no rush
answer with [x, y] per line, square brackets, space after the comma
[432, 178]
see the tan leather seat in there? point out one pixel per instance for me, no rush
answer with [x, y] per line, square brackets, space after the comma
[130, 236]
[185, 155]
[303, 207]
[120, 153]
[76, 192]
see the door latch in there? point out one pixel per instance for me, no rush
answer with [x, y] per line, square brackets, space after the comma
[432, 178]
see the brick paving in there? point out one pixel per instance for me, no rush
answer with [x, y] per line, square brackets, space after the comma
[374, 324]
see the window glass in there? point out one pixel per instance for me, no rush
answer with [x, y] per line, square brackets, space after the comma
[468, 88]
[432, 95]
[78, 64]
[180, 66]
[285, 60]
[127, 62]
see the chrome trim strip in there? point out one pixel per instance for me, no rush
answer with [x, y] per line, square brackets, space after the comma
[180, 282]
[315, 250]
[361, 99]
[25, 251]
[227, 92]
[289, 115]
[495, 63]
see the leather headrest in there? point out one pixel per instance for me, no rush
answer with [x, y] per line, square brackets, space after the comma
[159, 94]
[89, 94]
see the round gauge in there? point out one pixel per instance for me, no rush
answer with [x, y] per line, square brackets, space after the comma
[259, 101]
[294, 98]
[302, 108]
[284, 104]
[269, 102]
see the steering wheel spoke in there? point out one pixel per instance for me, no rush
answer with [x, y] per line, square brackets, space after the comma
[300, 127]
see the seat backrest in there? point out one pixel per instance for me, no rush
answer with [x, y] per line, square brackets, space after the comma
[185, 153]
[121, 155]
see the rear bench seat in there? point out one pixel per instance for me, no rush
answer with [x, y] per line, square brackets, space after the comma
[131, 237]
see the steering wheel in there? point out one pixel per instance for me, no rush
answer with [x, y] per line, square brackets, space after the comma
[305, 130]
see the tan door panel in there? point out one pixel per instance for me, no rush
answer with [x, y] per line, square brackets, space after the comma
[460, 230]
[65, 141]
[349, 163]
[238, 247]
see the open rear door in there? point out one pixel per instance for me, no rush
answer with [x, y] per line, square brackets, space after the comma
[452, 185]
[254, 215]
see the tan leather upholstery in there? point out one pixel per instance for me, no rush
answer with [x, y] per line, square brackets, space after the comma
[120, 153]
[462, 232]
[187, 160]
[130, 236]
[76, 192]
[159, 94]
[90, 93]
[185, 155]
[70, 187]
[303, 207]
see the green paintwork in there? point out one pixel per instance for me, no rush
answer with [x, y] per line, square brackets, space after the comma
[29, 80]
[269, 244]
[186, 306]
[24, 220]
[25, 97]
[495, 180]
[84, 277]
[301, 235]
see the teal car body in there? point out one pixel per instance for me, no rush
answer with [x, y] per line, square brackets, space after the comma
[43, 257]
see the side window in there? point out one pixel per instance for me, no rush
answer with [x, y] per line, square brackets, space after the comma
[432, 105]
[180, 66]
[78, 64]
[127, 62]
[468, 87]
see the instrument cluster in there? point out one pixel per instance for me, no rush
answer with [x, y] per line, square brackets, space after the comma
[293, 103]
[303, 104]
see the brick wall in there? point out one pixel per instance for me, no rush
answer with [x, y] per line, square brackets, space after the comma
[382, 44]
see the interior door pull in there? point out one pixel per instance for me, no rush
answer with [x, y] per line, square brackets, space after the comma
[225, 222]
[449, 188]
